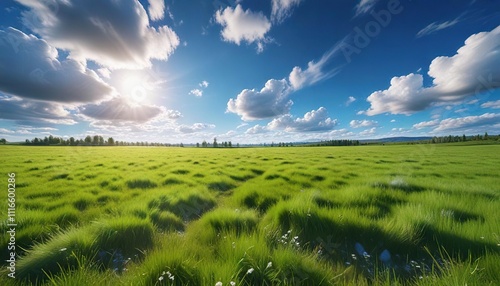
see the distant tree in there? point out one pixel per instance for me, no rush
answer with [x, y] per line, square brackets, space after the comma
[197, 145]
[88, 140]
[215, 143]
[95, 140]
[237, 145]
[204, 144]
[101, 140]
[3, 141]
[181, 145]
[485, 136]
[111, 141]
[230, 144]
[464, 138]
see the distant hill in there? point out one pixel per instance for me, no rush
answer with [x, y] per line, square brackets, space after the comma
[395, 139]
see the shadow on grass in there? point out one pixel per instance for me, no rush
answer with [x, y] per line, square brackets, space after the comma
[241, 178]
[59, 177]
[399, 185]
[220, 186]
[259, 202]
[337, 240]
[276, 176]
[141, 184]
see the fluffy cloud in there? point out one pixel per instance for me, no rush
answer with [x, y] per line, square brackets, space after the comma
[118, 109]
[464, 123]
[368, 132]
[473, 69]
[314, 120]
[271, 101]
[491, 104]
[315, 71]
[196, 92]
[116, 35]
[282, 9]
[32, 112]
[362, 123]
[197, 127]
[426, 124]
[156, 9]
[434, 27]
[30, 68]
[256, 129]
[239, 25]
[350, 100]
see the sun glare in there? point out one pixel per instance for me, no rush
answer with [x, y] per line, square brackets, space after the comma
[135, 87]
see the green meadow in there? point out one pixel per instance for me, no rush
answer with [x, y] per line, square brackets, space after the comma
[363, 215]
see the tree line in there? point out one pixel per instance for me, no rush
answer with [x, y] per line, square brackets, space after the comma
[95, 140]
[463, 138]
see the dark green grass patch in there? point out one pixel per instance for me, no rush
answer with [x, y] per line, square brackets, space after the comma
[187, 205]
[220, 186]
[59, 177]
[141, 184]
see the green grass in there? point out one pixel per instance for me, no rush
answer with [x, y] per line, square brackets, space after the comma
[255, 216]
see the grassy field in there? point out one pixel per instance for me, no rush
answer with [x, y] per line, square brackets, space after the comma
[384, 215]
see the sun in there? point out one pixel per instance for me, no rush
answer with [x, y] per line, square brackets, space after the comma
[135, 89]
[134, 86]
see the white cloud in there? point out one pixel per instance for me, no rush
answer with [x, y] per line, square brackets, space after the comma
[31, 112]
[117, 34]
[300, 78]
[393, 120]
[426, 124]
[463, 123]
[256, 129]
[282, 9]
[398, 129]
[491, 104]
[243, 26]
[30, 68]
[475, 68]
[104, 72]
[204, 84]
[6, 131]
[461, 110]
[350, 100]
[271, 101]
[156, 9]
[197, 127]
[434, 27]
[119, 109]
[196, 92]
[362, 123]
[314, 120]
[365, 6]
[368, 132]
[242, 125]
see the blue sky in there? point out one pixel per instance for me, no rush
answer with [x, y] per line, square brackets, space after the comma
[248, 71]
